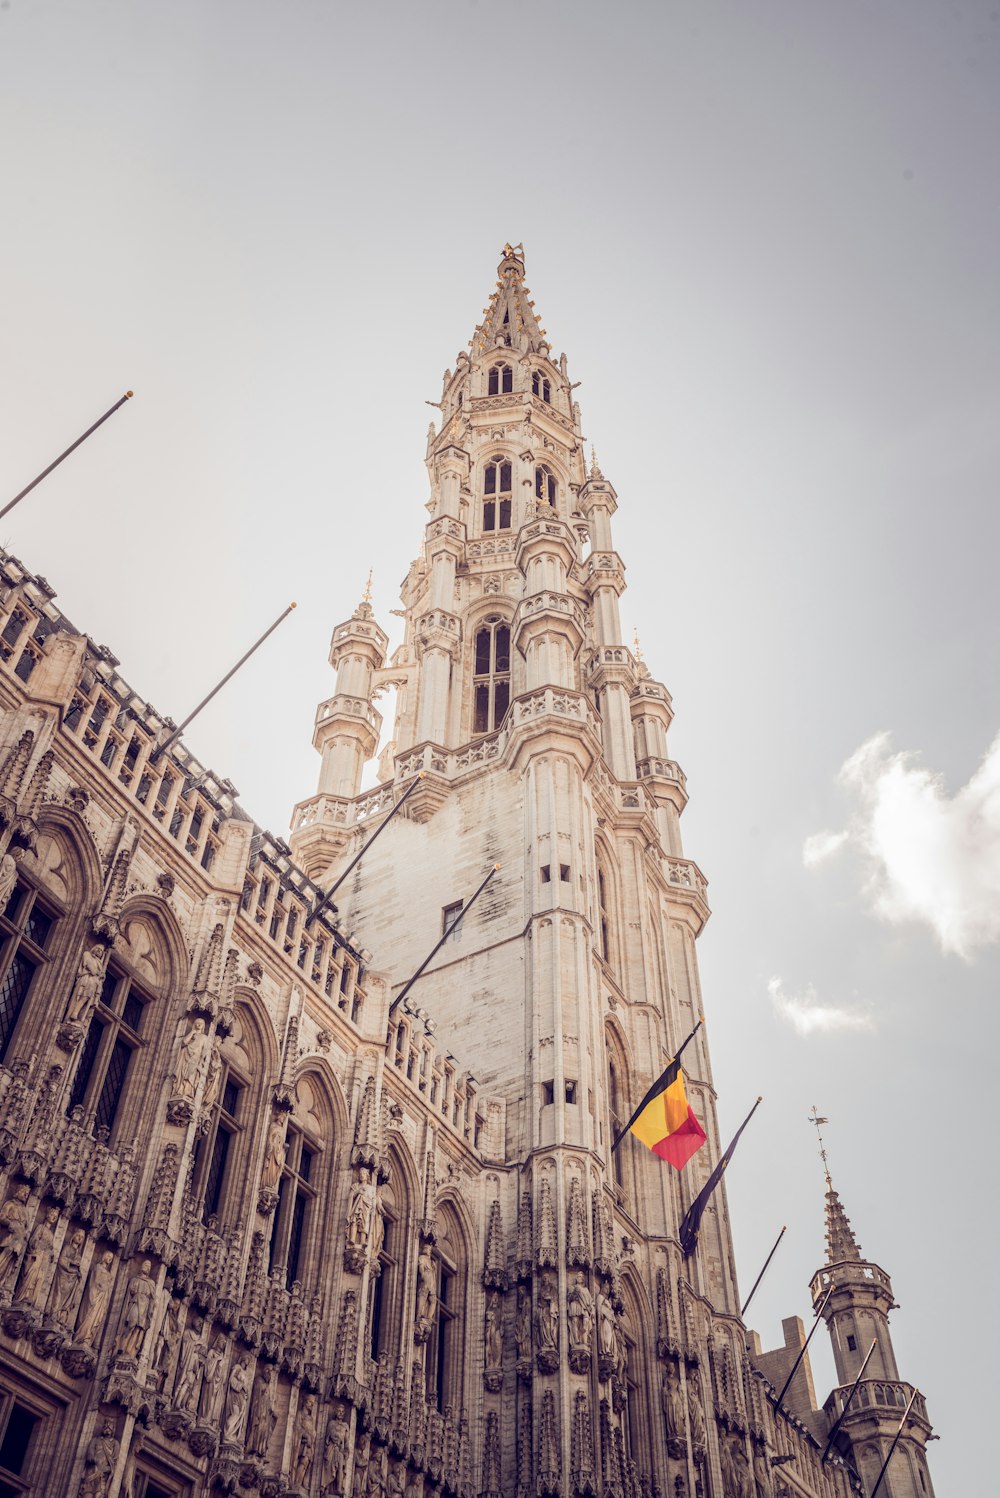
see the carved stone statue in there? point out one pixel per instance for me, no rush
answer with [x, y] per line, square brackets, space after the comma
[8, 879]
[304, 1448]
[102, 1454]
[377, 1228]
[190, 1365]
[88, 985]
[274, 1156]
[742, 1477]
[95, 1300]
[67, 1279]
[493, 1336]
[359, 1210]
[606, 1341]
[762, 1472]
[237, 1402]
[211, 1382]
[696, 1415]
[378, 1473]
[426, 1287]
[334, 1473]
[397, 1480]
[522, 1325]
[13, 1233]
[547, 1326]
[169, 1339]
[580, 1311]
[140, 1300]
[189, 1059]
[38, 1259]
[213, 1074]
[673, 1410]
[262, 1414]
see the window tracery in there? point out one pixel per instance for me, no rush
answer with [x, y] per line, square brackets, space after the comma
[500, 380]
[491, 674]
[545, 485]
[497, 494]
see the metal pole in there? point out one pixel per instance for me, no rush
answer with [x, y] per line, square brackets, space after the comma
[760, 1276]
[899, 1432]
[804, 1348]
[72, 448]
[840, 1418]
[444, 937]
[218, 688]
[364, 849]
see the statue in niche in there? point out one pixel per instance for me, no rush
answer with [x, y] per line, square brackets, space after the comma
[493, 1336]
[621, 1351]
[170, 1336]
[189, 1059]
[262, 1414]
[580, 1314]
[672, 1404]
[360, 1209]
[415, 1486]
[67, 1279]
[742, 1477]
[211, 1381]
[102, 1455]
[88, 985]
[305, 1440]
[334, 1472]
[547, 1326]
[187, 1384]
[607, 1343]
[378, 1473]
[361, 1453]
[274, 1156]
[237, 1402]
[96, 1298]
[213, 1074]
[38, 1259]
[397, 1480]
[761, 1472]
[696, 1415]
[426, 1287]
[140, 1301]
[377, 1226]
[8, 879]
[13, 1233]
[522, 1325]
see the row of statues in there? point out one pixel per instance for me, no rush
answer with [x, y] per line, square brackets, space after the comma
[31, 1274]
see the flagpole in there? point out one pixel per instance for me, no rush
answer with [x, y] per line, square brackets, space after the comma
[364, 849]
[72, 448]
[804, 1349]
[161, 748]
[439, 944]
[691, 1223]
[760, 1276]
[899, 1432]
[840, 1418]
[657, 1085]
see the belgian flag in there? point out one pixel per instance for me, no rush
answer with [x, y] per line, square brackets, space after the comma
[664, 1121]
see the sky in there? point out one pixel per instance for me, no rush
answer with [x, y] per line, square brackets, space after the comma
[767, 237]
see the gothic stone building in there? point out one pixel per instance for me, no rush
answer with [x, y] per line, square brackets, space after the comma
[262, 1231]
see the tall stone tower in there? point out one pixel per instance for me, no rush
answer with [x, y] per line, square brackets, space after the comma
[856, 1296]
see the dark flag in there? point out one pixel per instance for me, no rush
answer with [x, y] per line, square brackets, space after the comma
[691, 1226]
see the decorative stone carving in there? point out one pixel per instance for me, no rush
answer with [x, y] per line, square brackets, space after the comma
[547, 1326]
[189, 1061]
[304, 1441]
[262, 1420]
[493, 1343]
[696, 1415]
[237, 1403]
[190, 1366]
[333, 1475]
[67, 1280]
[102, 1455]
[37, 1266]
[274, 1163]
[97, 1295]
[168, 1341]
[522, 1332]
[210, 1400]
[88, 985]
[213, 1075]
[672, 1404]
[607, 1341]
[140, 1301]
[426, 1292]
[762, 1472]
[8, 878]
[13, 1234]
[361, 1212]
[580, 1315]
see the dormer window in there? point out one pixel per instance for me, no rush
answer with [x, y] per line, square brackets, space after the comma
[501, 380]
[497, 495]
[541, 387]
[545, 485]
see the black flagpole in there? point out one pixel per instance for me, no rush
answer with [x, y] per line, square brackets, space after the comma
[840, 1418]
[444, 937]
[364, 849]
[899, 1432]
[657, 1085]
[760, 1276]
[72, 448]
[804, 1349]
[159, 750]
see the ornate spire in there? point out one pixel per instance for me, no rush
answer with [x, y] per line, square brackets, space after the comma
[509, 319]
[841, 1244]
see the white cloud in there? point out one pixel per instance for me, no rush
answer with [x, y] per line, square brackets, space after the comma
[804, 1012]
[931, 857]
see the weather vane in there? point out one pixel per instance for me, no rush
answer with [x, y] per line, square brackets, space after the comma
[817, 1119]
[367, 597]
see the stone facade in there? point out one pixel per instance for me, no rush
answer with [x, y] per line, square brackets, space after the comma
[263, 1228]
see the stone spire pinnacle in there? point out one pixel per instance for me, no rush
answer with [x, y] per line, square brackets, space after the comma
[509, 318]
[841, 1244]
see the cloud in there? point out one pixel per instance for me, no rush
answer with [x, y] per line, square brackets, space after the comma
[804, 1012]
[929, 857]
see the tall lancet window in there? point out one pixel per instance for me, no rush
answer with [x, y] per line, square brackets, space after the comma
[491, 679]
[501, 380]
[496, 495]
[541, 387]
[545, 485]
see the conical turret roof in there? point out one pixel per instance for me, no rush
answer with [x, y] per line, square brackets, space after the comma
[841, 1244]
[509, 319]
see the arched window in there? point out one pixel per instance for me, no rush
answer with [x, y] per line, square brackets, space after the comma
[540, 386]
[635, 1413]
[501, 380]
[491, 677]
[496, 495]
[215, 1150]
[603, 915]
[445, 1342]
[386, 1287]
[26, 929]
[545, 485]
[616, 1109]
[113, 1037]
[295, 1228]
